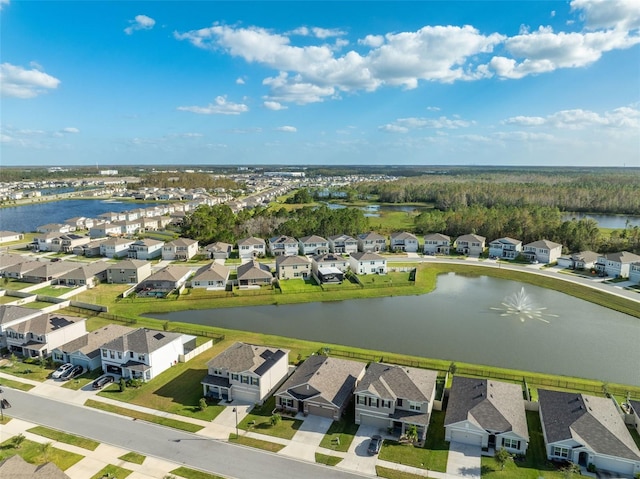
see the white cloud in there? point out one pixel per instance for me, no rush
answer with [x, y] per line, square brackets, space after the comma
[287, 129]
[19, 82]
[239, 81]
[620, 118]
[553, 13]
[70, 129]
[274, 105]
[393, 128]
[374, 41]
[525, 121]
[618, 14]
[3, 3]
[403, 125]
[140, 22]
[326, 32]
[220, 107]
[295, 91]
[433, 108]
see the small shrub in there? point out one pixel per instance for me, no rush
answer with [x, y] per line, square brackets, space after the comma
[591, 467]
[275, 419]
[202, 404]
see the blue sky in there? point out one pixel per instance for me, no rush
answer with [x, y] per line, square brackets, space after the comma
[268, 82]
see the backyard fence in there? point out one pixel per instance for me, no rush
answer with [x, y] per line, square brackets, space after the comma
[215, 337]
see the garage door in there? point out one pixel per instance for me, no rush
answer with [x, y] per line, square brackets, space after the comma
[375, 421]
[466, 437]
[245, 396]
[614, 465]
[321, 411]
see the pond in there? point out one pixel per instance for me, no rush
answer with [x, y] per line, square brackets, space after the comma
[465, 319]
[605, 221]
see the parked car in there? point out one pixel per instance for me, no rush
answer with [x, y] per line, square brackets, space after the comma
[61, 370]
[102, 381]
[72, 373]
[375, 443]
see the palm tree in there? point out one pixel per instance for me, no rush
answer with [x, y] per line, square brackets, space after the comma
[18, 440]
[412, 433]
[46, 450]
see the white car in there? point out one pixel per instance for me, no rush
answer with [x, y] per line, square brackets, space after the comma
[61, 370]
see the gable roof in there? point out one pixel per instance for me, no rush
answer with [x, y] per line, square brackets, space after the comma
[148, 242]
[506, 240]
[492, 405]
[214, 271]
[328, 258]
[329, 379]
[172, 273]
[181, 242]
[45, 323]
[254, 270]
[342, 238]
[252, 240]
[291, 260]
[86, 271]
[9, 313]
[622, 257]
[90, 343]
[16, 467]
[589, 420]
[471, 238]
[52, 269]
[359, 256]
[387, 381]
[371, 236]
[437, 236]
[141, 340]
[543, 244]
[128, 264]
[219, 246]
[241, 357]
[313, 239]
[403, 236]
[585, 256]
[283, 240]
[10, 259]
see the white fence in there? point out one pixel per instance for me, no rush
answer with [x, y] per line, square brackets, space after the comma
[183, 358]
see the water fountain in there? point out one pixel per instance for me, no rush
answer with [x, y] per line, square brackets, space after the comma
[520, 305]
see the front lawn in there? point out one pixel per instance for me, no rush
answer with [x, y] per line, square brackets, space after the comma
[327, 460]
[259, 420]
[65, 437]
[112, 471]
[341, 433]
[133, 457]
[257, 443]
[193, 474]
[395, 474]
[35, 453]
[17, 367]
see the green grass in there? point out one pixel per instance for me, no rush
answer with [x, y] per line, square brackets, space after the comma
[193, 474]
[54, 291]
[256, 443]
[634, 435]
[16, 285]
[327, 460]
[162, 421]
[5, 299]
[67, 438]
[15, 384]
[260, 416]
[21, 369]
[298, 285]
[432, 456]
[395, 474]
[112, 471]
[133, 457]
[37, 305]
[343, 430]
[32, 452]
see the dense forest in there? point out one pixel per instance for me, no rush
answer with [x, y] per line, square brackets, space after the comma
[188, 181]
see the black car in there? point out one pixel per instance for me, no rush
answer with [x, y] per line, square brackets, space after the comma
[375, 443]
[72, 373]
[102, 381]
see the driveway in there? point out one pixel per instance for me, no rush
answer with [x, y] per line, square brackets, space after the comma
[464, 461]
[307, 439]
[357, 458]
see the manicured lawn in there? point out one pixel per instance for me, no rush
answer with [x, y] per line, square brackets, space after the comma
[7, 299]
[261, 418]
[327, 460]
[386, 279]
[343, 430]
[15, 384]
[162, 421]
[298, 285]
[133, 457]
[67, 438]
[257, 443]
[395, 474]
[433, 456]
[32, 452]
[36, 305]
[26, 370]
[15, 285]
[112, 471]
[54, 291]
[193, 474]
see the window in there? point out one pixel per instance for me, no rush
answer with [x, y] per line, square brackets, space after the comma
[235, 377]
[558, 451]
[255, 381]
[111, 355]
[141, 357]
[414, 406]
[362, 400]
[244, 379]
[104, 353]
[286, 402]
[510, 443]
[119, 355]
[399, 402]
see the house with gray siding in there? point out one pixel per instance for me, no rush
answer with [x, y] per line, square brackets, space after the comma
[254, 274]
[343, 244]
[403, 241]
[470, 244]
[213, 276]
[616, 265]
[371, 243]
[252, 247]
[145, 249]
[543, 251]
[129, 271]
[505, 248]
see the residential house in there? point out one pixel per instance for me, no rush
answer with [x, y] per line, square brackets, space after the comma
[329, 260]
[90, 250]
[245, 372]
[634, 272]
[115, 247]
[313, 244]
[48, 271]
[129, 271]
[395, 397]
[343, 244]
[288, 267]
[66, 243]
[587, 430]
[219, 250]
[129, 227]
[11, 315]
[85, 350]
[89, 275]
[18, 270]
[404, 241]
[283, 246]
[7, 260]
[38, 336]
[616, 265]
[367, 263]
[580, 260]
[371, 243]
[181, 249]
[252, 247]
[9, 236]
[163, 282]
[437, 243]
[104, 229]
[254, 273]
[505, 248]
[145, 249]
[112, 216]
[58, 228]
[542, 251]
[487, 413]
[44, 241]
[322, 386]
[212, 276]
[79, 223]
[470, 244]
[150, 223]
[17, 468]
[144, 353]
[634, 409]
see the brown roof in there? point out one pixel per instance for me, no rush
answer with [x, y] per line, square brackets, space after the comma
[241, 357]
[254, 270]
[390, 382]
[15, 467]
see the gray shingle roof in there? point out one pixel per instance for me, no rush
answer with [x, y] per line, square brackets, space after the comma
[90, 343]
[313, 239]
[291, 260]
[591, 421]
[470, 238]
[141, 340]
[493, 405]
[371, 236]
[391, 382]
[586, 256]
[437, 237]
[622, 257]
[10, 313]
[133, 264]
[241, 357]
[635, 405]
[367, 256]
[212, 272]
[251, 241]
[342, 238]
[543, 244]
[171, 273]
[15, 467]
[507, 240]
[254, 270]
[403, 236]
[329, 258]
[45, 323]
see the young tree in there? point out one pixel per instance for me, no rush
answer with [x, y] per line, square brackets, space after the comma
[412, 433]
[46, 450]
[502, 456]
[18, 440]
[202, 404]
[275, 419]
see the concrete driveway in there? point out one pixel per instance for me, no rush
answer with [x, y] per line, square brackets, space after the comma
[464, 461]
[307, 439]
[357, 458]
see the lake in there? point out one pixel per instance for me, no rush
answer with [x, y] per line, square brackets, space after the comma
[605, 221]
[456, 322]
[27, 218]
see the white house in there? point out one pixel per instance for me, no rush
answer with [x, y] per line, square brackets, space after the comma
[246, 372]
[367, 263]
[329, 260]
[313, 244]
[104, 229]
[212, 276]
[11, 315]
[343, 244]
[635, 414]
[371, 242]
[252, 247]
[9, 236]
[180, 249]
[437, 243]
[616, 264]
[404, 241]
[283, 246]
[44, 241]
[145, 249]
[634, 272]
[587, 430]
[144, 353]
[505, 248]
[543, 251]
[580, 260]
[470, 244]
[487, 413]
[115, 247]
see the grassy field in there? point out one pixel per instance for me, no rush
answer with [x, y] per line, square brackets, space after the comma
[112, 471]
[67, 438]
[133, 457]
[34, 453]
[52, 290]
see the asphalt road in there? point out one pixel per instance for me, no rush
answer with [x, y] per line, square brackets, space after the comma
[149, 439]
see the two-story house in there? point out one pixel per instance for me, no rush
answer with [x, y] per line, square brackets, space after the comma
[66, 243]
[44, 241]
[58, 228]
[11, 315]
[436, 243]
[403, 241]
[252, 247]
[104, 229]
[38, 336]
[283, 246]
[343, 244]
[181, 249]
[471, 244]
[213, 276]
[367, 263]
[293, 267]
[313, 244]
[329, 260]
[371, 243]
[130, 271]
[145, 249]
[543, 251]
[144, 353]
[246, 372]
[505, 248]
[396, 397]
[616, 265]
[219, 250]
[115, 247]
[634, 272]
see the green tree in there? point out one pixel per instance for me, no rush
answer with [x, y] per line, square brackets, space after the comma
[502, 456]
[412, 433]
[18, 440]
[202, 404]
[275, 419]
